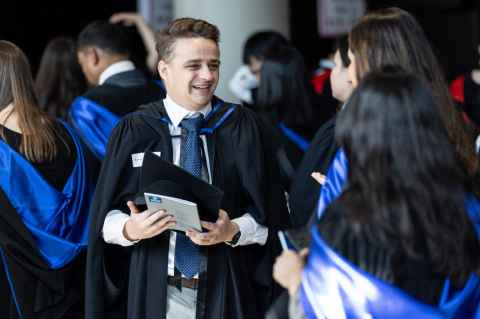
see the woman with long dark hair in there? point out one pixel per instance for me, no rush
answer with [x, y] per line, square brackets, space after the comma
[392, 36]
[44, 201]
[286, 96]
[401, 221]
[59, 79]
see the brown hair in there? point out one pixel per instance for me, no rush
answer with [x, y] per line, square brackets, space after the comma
[38, 133]
[392, 36]
[183, 28]
[59, 78]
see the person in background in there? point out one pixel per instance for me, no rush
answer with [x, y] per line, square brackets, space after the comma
[59, 78]
[392, 36]
[286, 96]
[245, 80]
[45, 198]
[146, 33]
[465, 91]
[308, 178]
[304, 190]
[399, 226]
[117, 87]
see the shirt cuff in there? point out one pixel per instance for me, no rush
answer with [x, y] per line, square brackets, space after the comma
[251, 232]
[112, 230]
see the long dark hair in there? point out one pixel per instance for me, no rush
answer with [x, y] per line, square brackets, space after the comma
[392, 36]
[38, 132]
[59, 79]
[404, 179]
[284, 87]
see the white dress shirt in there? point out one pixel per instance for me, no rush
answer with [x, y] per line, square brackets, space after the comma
[115, 68]
[251, 231]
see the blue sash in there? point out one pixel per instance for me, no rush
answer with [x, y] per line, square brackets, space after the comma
[336, 177]
[57, 220]
[293, 136]
[93, 123]
[334, 288]
[216, 103]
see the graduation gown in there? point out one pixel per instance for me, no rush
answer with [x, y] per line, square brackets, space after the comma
[43, 236]
[304, 190]
[237, 280]
[94, 114]
[333, 287]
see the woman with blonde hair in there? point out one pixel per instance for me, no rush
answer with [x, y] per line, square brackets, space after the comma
[44, 200]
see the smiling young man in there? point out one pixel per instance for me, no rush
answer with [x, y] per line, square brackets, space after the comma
[222, 272]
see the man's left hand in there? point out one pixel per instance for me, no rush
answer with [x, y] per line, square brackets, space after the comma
[219, 232]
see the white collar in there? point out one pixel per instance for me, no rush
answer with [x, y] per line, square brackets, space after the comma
[177, 113]
[115, 68]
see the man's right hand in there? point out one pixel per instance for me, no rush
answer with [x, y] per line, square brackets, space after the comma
[143, 225]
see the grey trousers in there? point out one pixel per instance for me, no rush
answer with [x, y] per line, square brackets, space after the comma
[181, 304]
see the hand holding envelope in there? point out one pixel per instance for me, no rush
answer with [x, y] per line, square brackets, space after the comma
[143, 225]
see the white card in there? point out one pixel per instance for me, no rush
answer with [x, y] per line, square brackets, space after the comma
[137, 158]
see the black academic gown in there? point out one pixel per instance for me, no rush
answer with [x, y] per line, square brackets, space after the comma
[237, 282]
[41, 292]
[304, 190]
[121, 94]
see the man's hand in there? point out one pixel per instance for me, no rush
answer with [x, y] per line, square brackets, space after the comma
[288, 268]
[143, 225]
[219, 232]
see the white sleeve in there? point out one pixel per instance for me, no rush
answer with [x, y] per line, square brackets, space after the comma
[251, 231]
[241, 84]
[112, 230]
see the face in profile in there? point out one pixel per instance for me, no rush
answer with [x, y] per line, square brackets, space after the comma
[352, 69]
[191, 72]
[340, 80]
[255, 66]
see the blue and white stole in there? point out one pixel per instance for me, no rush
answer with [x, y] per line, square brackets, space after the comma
[293, 136]
[216, 104]
[336, 178]
[334, 288]
[94, 123]
[58, 220]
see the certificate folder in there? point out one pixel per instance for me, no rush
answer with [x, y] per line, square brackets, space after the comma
[164, 178]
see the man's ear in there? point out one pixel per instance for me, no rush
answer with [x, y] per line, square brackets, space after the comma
[162, 68]
[94, 55]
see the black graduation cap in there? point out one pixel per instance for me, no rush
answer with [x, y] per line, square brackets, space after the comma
[164, 178]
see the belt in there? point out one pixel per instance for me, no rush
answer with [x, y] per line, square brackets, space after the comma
[179, 281]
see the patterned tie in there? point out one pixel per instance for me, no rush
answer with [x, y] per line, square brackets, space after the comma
[187, 254]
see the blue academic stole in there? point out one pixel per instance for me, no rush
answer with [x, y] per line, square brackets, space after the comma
[94, 123]
[336, 177]
[334, 288]
[216, 104]
[293, 136]
[58, 220]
